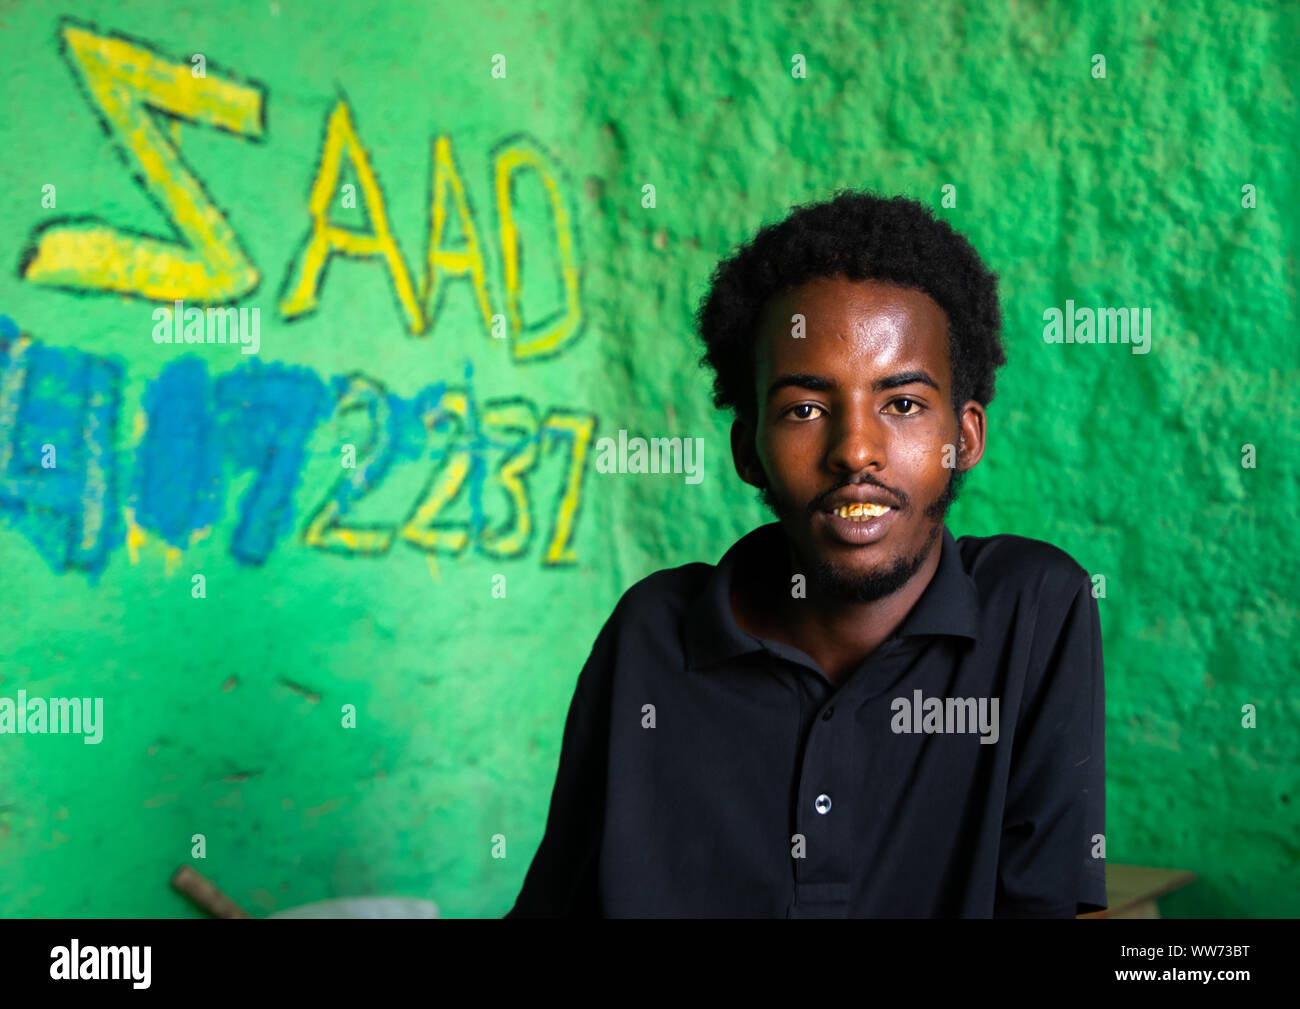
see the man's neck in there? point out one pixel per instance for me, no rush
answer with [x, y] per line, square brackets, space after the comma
[838, 634]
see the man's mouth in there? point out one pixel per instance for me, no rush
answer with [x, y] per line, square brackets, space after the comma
[860, 512]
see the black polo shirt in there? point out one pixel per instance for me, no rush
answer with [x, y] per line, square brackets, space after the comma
[755, 788]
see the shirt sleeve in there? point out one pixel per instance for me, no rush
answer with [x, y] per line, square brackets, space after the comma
[1054, 820]
[563, 879]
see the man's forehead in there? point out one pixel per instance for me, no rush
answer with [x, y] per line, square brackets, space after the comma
[866, 323]
[840, 296]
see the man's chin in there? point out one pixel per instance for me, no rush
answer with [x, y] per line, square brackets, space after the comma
[831, 580]
[836, 580]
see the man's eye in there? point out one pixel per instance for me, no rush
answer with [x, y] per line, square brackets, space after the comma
[793, 411]
[910, 402]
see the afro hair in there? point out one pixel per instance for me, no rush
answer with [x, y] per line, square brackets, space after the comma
[861, 236]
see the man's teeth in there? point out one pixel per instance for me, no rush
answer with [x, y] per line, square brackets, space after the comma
[861, 512]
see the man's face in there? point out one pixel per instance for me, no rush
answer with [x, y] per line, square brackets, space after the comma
[860, 406]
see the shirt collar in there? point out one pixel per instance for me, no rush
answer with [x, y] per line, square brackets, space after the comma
[949, 605]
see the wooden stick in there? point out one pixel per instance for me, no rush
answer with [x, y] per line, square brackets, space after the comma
[203, 892]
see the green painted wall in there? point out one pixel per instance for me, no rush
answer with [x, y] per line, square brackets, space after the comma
[222, 714]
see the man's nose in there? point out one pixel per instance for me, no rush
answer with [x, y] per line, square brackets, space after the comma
[857, 440]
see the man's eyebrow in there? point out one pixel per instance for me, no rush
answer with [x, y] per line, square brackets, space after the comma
[904, 378]
[802, 381]
[819, 384]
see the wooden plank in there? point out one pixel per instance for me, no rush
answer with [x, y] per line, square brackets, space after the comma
[1132, 890]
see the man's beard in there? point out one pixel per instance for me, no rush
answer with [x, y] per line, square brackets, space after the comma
[833, 582]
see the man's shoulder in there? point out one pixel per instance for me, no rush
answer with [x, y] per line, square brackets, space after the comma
[1018, 564]
[665, 592]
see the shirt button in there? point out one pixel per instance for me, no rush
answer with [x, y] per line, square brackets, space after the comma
[826, 715]
[823, 804]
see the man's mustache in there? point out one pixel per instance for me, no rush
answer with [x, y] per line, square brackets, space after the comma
[818, 503]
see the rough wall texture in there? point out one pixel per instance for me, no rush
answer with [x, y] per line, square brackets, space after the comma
[472, 407]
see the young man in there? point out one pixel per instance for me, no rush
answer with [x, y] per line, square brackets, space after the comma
[853, 713]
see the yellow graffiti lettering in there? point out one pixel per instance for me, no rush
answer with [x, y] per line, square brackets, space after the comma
[450, 264]
[545, 338]
[325, 239]
[445, 485]
[577, 429]
[520, 417]
[126, 81]
[324, 531]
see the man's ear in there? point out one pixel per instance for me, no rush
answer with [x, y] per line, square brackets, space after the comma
[971, 432]
[743, 454]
